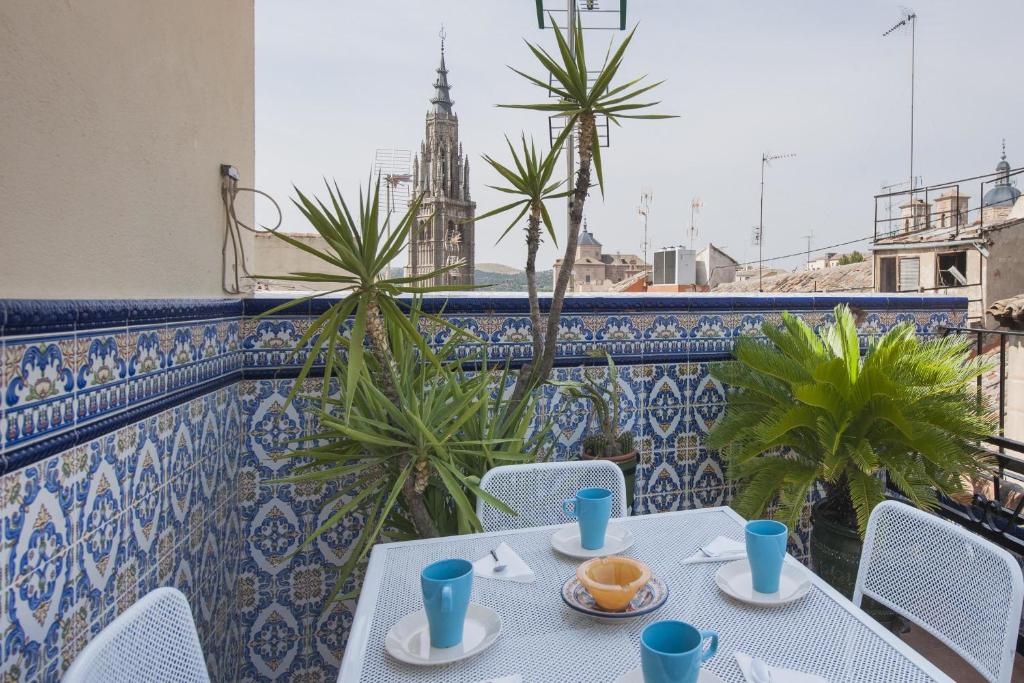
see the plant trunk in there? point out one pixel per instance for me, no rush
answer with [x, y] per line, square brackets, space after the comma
[542, 369]
[523, 385]
[415, 484]
[838, 505]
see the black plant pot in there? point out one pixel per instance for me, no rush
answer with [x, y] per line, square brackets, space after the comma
[835, 557]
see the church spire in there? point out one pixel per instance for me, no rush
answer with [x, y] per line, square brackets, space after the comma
[442, 100]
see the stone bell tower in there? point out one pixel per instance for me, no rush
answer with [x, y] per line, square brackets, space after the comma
[444, 232]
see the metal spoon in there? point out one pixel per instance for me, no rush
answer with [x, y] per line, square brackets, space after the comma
[760, 671]
[498, 566]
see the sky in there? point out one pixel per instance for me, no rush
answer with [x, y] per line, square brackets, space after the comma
[336, 80]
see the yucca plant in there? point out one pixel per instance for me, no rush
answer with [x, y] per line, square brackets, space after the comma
[809, 408]
[367, 316]
[579, 99]
[428, 427]
[531, 181]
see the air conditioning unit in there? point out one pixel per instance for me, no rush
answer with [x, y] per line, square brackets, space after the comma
[675, 266]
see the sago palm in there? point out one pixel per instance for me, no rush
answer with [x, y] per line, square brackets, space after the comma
[580, 99]
[808, 408]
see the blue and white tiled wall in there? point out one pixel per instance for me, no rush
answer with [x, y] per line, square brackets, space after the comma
[119, 453]
[142, 441]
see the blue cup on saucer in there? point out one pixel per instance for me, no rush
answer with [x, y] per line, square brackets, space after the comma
[446, 589]
[766, 549]
[672, 651]
[591, 508]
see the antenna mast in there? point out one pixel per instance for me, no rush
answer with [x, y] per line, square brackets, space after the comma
[766, 159]
[695, 206]
[909, 18]
[646, 195]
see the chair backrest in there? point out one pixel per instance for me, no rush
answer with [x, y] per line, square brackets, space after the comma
[536, 491]
[153, 641]
[964, 590]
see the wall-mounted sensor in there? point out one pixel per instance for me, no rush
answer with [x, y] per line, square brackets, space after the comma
[229, 171]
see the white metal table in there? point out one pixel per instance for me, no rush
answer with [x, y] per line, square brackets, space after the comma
[543, 640]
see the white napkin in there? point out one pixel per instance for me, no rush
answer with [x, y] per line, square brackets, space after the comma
[779, 675]
[515, 569]
[514, 678]
[721, 549]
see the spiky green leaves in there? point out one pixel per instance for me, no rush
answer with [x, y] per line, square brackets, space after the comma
[580, 95]
[809, 408]
[362, 247]
[531, 181]
[439, 423]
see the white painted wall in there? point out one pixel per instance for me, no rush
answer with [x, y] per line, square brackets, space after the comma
[114, 118]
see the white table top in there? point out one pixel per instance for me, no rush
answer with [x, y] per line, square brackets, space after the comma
[543, 640]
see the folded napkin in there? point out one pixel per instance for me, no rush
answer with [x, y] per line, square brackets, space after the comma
[515, 569]
[779, 675]
[721, 549]
[514, 678]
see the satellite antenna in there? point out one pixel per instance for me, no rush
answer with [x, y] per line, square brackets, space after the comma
[909, 18]
[695, 206]
[646, 195]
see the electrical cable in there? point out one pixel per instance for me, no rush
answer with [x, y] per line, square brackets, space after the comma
[232, 283]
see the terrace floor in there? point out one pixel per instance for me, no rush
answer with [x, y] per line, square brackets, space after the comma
[947, 660]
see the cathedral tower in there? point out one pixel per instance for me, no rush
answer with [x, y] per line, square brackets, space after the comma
[444, 231]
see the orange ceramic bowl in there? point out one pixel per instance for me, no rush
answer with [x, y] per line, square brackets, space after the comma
[613, 581]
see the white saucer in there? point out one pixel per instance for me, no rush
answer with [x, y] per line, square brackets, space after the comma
[734, 580]
[409, 640]
[567, 541]
[637, 676]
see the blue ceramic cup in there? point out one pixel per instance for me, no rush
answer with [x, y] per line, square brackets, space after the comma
[766, 549]
[446, 588]
[672, 651]
[591, 508]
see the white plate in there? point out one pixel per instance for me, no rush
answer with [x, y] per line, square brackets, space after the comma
[734, 580]
[409, 640]
[567, 541]
[637, 676]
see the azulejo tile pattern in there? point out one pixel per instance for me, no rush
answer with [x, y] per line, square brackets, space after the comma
[88, 531]
[142, 442]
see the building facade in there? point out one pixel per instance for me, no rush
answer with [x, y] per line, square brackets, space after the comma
[595, 271]
[444, 233]
[940, 250]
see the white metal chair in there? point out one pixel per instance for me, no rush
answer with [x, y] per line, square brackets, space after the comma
[154, 641]
[959, 587]
[536, 491]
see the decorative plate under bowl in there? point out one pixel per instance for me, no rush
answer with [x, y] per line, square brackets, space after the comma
[649, 598]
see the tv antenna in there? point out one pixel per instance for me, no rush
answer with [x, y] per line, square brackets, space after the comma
[695, 206]
[909, 18]
[646, 196]
[392, 166]
[766, 160]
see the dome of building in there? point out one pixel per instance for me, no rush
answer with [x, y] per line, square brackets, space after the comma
[587, 239]
[1002, 193]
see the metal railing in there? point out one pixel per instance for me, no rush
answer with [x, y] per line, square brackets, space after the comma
[887, 225]
[995, 508]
